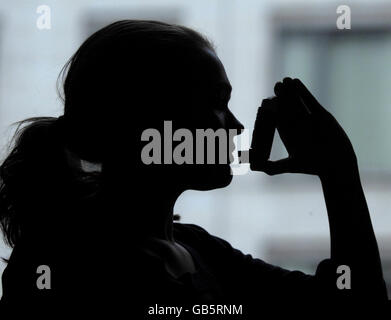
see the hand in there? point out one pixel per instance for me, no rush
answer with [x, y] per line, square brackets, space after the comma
[315, 142]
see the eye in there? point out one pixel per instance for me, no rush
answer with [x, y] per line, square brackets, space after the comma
[220, 97]
[223, 104]
[221, 101]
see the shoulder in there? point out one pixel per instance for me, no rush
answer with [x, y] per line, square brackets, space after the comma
[224, 253]
[195, 233]
[182, 228]
[209, 246]
[242, 271]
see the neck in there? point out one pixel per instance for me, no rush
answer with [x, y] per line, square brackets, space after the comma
[155, 221]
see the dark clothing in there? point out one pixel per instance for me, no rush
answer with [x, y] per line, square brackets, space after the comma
[136, 281]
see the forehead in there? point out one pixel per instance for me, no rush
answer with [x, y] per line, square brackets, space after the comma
[210, 71]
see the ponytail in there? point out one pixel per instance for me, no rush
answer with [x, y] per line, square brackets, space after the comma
[34, 145]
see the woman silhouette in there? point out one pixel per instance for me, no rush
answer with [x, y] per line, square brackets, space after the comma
[108, 237]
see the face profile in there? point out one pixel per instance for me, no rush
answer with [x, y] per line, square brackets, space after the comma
[206, 107]
[185, 84]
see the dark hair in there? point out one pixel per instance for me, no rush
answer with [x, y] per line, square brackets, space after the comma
[34, 145]
[92, 78]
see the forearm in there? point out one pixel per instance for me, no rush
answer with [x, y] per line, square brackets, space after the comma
[353, 241]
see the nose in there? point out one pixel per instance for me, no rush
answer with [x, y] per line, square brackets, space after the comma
[235, 124]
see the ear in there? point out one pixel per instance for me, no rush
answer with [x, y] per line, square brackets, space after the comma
[73, 159]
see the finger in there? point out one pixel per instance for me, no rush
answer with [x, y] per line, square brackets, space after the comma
[279, 89]
[289, 96]
[293, 96]
[293, 119]
[272, 168]
[263, 134]
[309, 100]
[282, 101]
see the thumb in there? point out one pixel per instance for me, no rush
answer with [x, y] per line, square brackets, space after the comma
[286, 165]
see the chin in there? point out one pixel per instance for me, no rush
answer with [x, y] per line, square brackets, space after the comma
[215, 177]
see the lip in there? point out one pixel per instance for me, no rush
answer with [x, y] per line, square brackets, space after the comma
[232, 150]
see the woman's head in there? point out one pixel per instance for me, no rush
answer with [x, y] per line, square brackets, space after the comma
[133, 75]
[130, 76]
[128, 70]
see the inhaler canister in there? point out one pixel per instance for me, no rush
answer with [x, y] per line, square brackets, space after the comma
[262, 137]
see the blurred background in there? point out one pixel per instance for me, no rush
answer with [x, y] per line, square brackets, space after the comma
[279, 219]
